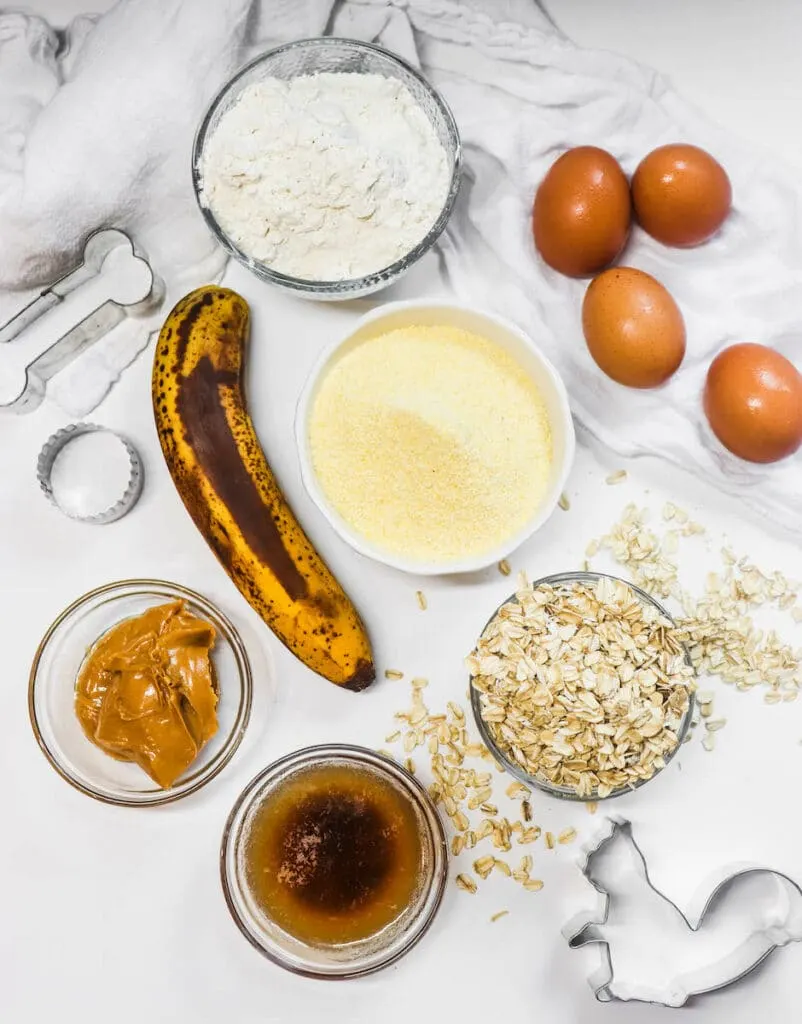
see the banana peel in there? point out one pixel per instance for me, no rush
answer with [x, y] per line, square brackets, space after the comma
[229, 490]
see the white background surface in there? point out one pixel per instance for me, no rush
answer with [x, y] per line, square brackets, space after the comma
[114, 914]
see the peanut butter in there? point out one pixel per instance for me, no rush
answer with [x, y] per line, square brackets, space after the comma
[147, 693]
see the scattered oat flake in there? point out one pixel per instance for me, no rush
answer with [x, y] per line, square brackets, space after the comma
[618, 477]
[564, 502]
[419, 683]
[457, 844]
[549, 840]
[409, 764]
[591, 807]
[709, 740]
[568, 835]
[393, 673]
[423, 604]
[466, 884]
[393, 736]
[498, 915]
[714, 724]
[484, 865]
[504, 567]
[533, 885]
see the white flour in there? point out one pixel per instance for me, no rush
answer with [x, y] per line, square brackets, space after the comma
[326, 177]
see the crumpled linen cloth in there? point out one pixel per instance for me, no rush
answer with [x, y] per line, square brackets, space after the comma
[96, 128]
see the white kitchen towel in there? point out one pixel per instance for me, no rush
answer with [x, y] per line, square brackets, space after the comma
[119, 104]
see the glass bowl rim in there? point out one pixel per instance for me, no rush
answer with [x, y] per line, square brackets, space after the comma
[310, 756]
[356, 285]
[238, 728]
[567, 793]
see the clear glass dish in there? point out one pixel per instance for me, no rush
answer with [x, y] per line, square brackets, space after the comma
[352, 959]
[511, 766]
[309, 57]
[51, 694]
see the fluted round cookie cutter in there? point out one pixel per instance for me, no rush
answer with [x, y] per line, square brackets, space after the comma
[56, 444]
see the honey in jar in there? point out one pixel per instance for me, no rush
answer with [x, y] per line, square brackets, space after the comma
[334, 854]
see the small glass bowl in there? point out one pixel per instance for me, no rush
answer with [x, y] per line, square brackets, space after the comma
[51, 694]
[352, 959]
[567, 792]
[309, 57]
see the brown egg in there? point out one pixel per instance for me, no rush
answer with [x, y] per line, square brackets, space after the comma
[582, 212]
[753, 402]
[681, 194]
[633, 327]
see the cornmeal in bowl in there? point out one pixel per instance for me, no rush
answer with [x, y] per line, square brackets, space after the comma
[431, 442]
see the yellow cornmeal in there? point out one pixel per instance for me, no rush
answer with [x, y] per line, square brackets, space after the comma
[433, 443]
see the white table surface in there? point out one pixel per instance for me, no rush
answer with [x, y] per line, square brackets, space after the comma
[115, 914]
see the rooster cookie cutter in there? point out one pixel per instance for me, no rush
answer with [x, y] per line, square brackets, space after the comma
[774, 918]
[97, 248]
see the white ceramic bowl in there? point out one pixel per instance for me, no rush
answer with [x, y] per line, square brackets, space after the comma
[496, 329]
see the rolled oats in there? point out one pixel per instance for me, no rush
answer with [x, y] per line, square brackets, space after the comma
[717, 627]
[582, 684]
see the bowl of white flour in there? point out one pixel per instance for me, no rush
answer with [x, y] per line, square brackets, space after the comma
[327, 167]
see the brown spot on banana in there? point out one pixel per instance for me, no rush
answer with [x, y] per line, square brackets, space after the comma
[226, 484]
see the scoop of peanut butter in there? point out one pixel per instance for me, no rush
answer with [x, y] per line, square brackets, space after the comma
[146, 691]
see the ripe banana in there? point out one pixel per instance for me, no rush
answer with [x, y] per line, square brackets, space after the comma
[224, 480]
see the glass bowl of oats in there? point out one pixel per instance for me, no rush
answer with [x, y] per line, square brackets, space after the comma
[581, 686]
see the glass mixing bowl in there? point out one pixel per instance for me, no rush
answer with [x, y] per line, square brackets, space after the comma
[530, 779]
[309, 57]
[351, 959]
[51, 694]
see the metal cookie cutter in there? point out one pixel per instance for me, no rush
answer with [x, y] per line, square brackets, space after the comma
[94, 326]
[653, 952]
[90, 473]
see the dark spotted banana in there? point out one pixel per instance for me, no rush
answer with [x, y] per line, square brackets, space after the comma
[221, 473]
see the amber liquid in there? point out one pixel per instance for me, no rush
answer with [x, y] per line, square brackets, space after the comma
[334, 855]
